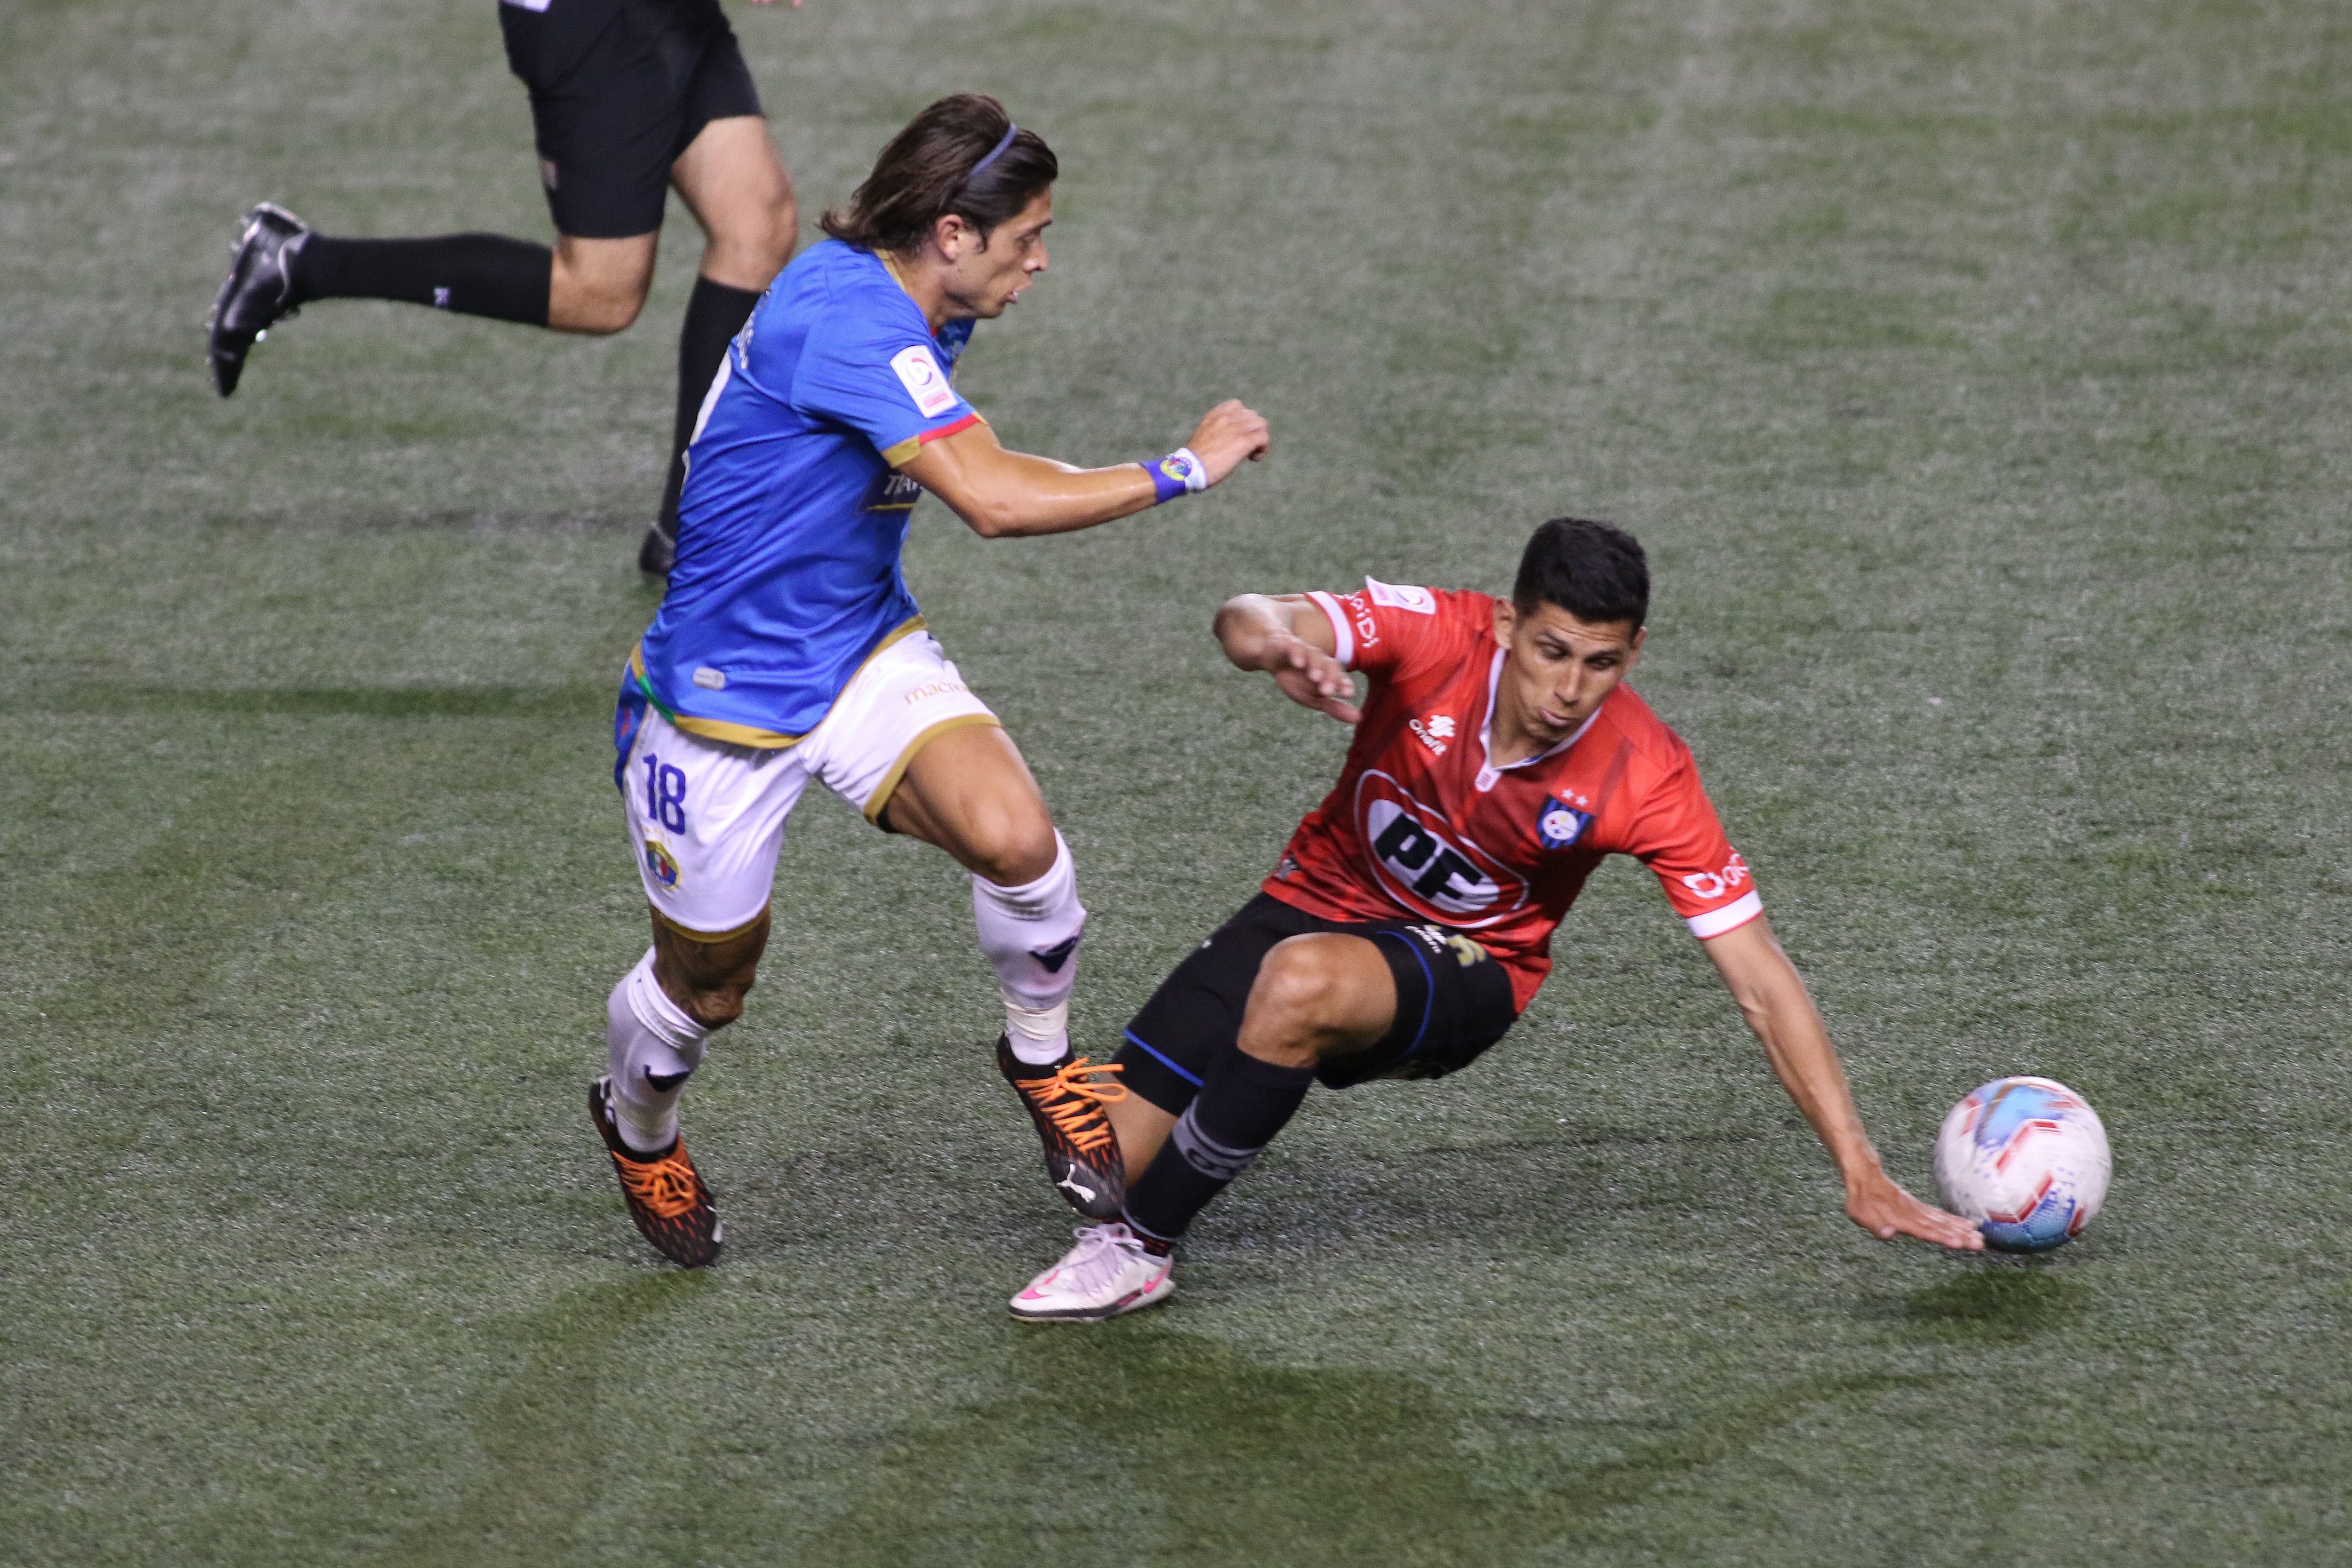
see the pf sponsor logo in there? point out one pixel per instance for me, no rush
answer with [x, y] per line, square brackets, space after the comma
[1425, 864]
[1433, 731]
[1712, 885]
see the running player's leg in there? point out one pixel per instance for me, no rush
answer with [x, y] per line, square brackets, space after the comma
[705, 820]
[606, 117]
[909, 745]
[732, 180]
[969, 792]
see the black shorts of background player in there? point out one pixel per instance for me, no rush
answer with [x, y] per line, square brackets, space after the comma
[627, 97]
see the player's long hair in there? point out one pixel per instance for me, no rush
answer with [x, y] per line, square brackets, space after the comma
[926, 173]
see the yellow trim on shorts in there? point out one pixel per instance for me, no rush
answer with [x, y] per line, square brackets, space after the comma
[879, 801]
[746, 734]
[693, 935]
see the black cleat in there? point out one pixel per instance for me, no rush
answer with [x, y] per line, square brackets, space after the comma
[258, 292]
[1065, 1100]
[658, 554]
[664, 1192]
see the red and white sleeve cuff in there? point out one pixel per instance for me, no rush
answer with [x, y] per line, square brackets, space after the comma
[1731, 917]
[1343, 637]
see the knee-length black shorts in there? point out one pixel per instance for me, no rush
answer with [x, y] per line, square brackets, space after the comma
[1453, 1002]
[612, 112]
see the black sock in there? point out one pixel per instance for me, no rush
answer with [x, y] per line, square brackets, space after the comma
[1241, 1105]
[714, 315]
[473, 274]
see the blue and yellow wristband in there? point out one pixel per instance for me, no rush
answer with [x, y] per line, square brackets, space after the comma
[1180, 473]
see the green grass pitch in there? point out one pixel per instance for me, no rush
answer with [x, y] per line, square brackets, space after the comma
[1976, 372]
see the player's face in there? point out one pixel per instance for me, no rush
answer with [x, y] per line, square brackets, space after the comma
[1556, 670]
[985, 280]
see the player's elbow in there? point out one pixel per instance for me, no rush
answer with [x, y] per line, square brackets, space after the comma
[993, 517]
[1230, 629]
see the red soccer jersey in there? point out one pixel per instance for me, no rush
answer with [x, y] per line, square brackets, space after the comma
[1422, 826]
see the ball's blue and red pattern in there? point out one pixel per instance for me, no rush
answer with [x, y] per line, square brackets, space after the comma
[2027, 1159]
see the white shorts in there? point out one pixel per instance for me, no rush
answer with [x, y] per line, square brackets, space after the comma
[707, 818]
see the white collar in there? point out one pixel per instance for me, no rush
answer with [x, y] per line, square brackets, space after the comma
[1489, 776]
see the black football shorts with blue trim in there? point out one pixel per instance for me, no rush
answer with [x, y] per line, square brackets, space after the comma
[1453, 1002]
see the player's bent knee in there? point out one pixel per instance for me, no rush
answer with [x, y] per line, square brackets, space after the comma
[604, 314]
[718, 1006]
[710, 979]
[1300, 984]
[1009, 848]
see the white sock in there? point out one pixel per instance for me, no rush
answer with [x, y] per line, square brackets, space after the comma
[1029, 934]
[651, 1045]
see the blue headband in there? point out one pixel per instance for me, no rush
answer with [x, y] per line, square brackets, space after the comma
[1011, 131]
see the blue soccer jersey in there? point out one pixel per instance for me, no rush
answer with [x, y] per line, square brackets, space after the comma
[794, 515]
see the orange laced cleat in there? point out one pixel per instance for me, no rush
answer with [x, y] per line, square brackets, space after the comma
[1066, 1100]
[664, 1192]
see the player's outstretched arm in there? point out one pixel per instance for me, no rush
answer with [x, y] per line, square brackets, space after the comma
[1289, 637]
[1773, 999]
[1012, 495]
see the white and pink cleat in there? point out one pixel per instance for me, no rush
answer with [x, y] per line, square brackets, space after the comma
[1108, 1272]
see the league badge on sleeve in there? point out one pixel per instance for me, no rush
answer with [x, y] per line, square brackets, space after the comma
[920, 374]
[1559, 825]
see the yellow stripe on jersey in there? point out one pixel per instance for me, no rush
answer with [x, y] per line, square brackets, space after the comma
[746, 734]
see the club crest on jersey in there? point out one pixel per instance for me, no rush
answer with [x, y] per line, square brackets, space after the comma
[1559, 825]
[660, 864]
[1425, 864]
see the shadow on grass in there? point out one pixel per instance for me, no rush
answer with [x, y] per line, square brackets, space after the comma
[546, 1458]
[1994, 1302]
[1138, 1445]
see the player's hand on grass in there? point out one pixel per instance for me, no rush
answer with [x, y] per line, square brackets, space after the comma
[1311, 678]
[1886, 1211]
[1226, 434]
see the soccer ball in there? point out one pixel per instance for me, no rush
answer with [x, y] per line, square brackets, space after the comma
[2027, 1160]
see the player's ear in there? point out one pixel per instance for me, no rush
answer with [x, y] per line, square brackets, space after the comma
[1634, 648]
[1506, 620]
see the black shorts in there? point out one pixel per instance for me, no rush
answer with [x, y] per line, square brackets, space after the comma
[613, 111]
[1453, 1002]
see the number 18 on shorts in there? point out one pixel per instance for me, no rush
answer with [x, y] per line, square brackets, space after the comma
[707, 815]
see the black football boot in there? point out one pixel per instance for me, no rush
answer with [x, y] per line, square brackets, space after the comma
[258, 293]
[665, 1193]
[1066, 1100]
